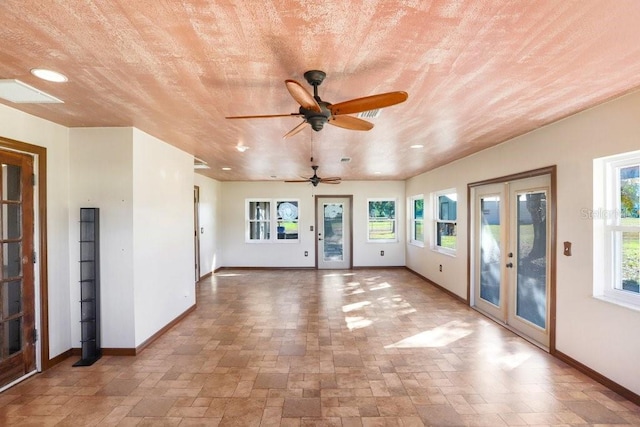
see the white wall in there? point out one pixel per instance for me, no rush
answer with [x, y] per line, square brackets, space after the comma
[163, 246]
[598, 334]
[26, 128]
[238, 253]
[101, 176]
[209, 217]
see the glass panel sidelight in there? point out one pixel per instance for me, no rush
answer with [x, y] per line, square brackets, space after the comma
[531, 287]
[490, 256]
[333, 236]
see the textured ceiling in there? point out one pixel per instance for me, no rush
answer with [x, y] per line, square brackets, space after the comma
[477, 72]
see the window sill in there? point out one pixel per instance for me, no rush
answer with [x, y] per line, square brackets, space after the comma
[416, 243]
[618, 302]
[446, 252]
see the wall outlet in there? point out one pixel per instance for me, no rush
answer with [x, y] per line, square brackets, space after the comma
[440, 268]
[306, 253]
[381, 253]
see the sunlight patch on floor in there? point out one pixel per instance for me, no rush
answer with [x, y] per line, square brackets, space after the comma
[506, 361]
[383, 285]
[357, 322]
[355, 306]
[437, 337]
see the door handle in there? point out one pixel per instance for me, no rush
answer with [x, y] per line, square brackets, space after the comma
[510, 265]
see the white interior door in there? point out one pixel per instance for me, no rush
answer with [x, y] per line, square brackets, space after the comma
[334, 232]
[511, 254]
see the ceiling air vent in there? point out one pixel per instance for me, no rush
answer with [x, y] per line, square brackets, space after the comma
[21, 93]
[371, 114]
[345, 160]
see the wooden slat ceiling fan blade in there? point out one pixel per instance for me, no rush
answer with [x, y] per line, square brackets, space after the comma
[324, 181]
[350, 122]
[302, 96]
[368, 103]
[265, 116]
[297, 180]
[295, 130]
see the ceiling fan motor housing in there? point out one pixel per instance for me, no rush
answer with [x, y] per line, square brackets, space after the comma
[315, 119]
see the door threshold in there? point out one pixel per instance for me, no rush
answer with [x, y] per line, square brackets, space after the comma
[511, 329]
[19, 380]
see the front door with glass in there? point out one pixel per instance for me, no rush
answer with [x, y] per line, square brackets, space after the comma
[511, 250]
[334, 232]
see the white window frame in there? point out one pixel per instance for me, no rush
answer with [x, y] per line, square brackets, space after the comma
[437, 221]
[394, 219]
[607, 227]
[413, 220]
[272, 223]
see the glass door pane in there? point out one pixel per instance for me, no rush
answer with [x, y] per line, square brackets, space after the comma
[333, 236]
[490, 253]
[531, 279]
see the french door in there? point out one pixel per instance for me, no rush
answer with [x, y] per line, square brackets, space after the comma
[511, 254]
[334, 232]
[17, 300]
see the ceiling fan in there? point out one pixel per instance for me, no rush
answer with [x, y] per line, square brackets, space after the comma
[316, 112]
[315, 179]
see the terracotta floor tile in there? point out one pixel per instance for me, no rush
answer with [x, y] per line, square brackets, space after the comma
[301, 407]
[320, 348]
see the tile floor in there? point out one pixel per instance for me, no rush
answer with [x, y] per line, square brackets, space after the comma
[321, 348]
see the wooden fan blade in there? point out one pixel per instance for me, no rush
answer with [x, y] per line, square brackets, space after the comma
[324, 181]
[297, 180]
[368, 103]
[266, 116]
[331, 178]
[350, 122]
[295, 130]
[302, 96]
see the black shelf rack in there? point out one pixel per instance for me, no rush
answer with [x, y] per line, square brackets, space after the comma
[89, 286]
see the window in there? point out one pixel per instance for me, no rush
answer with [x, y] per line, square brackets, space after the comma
[287, 220]
[446, 214]
[416, 206]
[616, 217]
[261, 227]
[382, 220]
[259, 218]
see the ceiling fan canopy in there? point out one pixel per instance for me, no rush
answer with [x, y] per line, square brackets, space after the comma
[315, 179]
[316, 112]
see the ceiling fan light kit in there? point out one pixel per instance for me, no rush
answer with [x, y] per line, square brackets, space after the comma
[315, 112]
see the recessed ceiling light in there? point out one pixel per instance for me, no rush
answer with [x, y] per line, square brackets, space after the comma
[377, 173]
[49, 75]
[417, 146]
[242, 148]
[226, 169]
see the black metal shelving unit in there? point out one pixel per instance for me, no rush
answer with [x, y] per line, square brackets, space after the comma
[89, 286]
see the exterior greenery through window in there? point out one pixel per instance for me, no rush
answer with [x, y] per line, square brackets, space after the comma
[417, 220]
[446, 204]
[621, 226]
[261, 227]
[382, 220]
